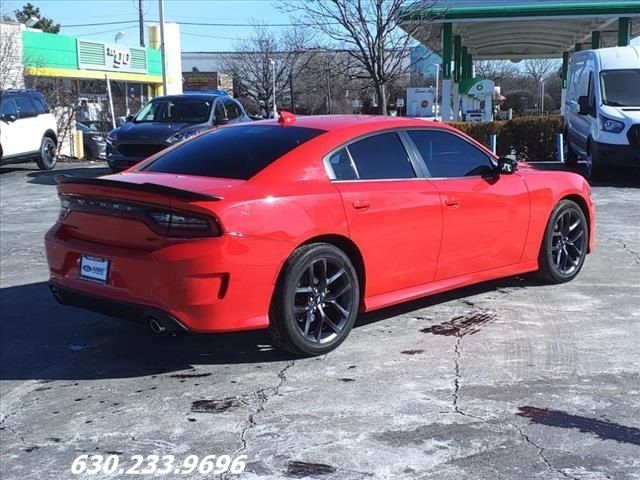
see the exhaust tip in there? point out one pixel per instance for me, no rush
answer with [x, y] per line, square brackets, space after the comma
[156, 327]
[57, 296]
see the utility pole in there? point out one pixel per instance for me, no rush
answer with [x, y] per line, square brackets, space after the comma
[541, 97]
[141, 21]
[164, 61]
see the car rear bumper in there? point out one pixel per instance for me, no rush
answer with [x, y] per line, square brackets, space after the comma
[221, 284]
[116, 309]
[616, 155]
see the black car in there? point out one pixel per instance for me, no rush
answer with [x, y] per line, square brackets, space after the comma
[167, 120]
[95, 146]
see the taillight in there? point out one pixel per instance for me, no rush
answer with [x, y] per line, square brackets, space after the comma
[183, 224]
[65, 203]
[167, 222]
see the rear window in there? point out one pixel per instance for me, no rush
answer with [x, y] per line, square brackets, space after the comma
[235, 152]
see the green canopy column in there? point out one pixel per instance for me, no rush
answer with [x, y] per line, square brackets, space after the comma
[595, 40]
[464, 74]
[447, 40]
[624, 31]
[565, 71]
[457, 58]
[457, 74]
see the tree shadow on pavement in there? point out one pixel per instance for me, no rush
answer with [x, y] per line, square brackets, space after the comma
[604, 429]
[42, 340]
[48, 177]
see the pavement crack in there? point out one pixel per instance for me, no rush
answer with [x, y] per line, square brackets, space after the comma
[541, 453]
[457, 358]
[634, 254]
[263, 395]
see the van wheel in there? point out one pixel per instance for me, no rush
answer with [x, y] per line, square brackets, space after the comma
[570, 157]
[316, 301]
[48, 154]
[594, 166]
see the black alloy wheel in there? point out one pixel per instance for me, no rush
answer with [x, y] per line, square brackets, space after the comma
[565, 243]
[316, 301]
[48, 154]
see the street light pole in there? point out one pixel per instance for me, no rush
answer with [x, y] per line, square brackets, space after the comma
[162, 53]
[273, 75]
[541, 97]
[435, 112]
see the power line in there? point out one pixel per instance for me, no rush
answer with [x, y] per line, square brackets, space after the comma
[203, 24]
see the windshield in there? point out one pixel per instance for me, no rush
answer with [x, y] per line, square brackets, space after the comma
[620, 88]
[178, 110]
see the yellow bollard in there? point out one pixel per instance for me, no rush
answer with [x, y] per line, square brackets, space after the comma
[79, 145]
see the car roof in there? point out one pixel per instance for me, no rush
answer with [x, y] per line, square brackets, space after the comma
[339, 122]
[191, 96]
[19, 92]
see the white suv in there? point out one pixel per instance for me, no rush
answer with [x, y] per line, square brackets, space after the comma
[27, 129]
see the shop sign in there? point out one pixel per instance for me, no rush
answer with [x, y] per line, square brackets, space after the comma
[111, 57]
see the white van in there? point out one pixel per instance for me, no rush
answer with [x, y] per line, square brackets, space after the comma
[602, 108]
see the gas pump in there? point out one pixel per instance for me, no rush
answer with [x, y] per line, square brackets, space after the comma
[476, 99]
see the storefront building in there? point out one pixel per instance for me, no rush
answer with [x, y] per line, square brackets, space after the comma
[79, 69]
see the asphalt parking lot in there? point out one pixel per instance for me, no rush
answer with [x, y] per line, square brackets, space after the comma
[506, 380]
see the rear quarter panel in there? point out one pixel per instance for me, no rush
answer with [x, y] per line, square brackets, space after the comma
[547, 189]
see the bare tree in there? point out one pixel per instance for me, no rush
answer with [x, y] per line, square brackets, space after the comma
[255, 59]
[539, 68]
[369, 30]
[11, 70]
[496, 70]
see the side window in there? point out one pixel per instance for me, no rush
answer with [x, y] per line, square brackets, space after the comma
[25, 107]
[574, 79]
[219, 111]
[232, 109]
[8, 107]
[343, 168]
[40, 104]
[449, 156]
[592, 95]
[381, 157]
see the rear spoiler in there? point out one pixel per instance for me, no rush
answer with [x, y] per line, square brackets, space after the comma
[62, 179]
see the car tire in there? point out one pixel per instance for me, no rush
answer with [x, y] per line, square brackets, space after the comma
[316, 301]
[88, 154]
[48, 154]
[595, 166]
[565, 243]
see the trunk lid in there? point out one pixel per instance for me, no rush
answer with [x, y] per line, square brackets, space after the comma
[124, 210]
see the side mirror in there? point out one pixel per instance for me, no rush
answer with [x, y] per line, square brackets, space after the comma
[583, 105]
[222, 121]
[9, 117]
[506, 166]
[128, 118]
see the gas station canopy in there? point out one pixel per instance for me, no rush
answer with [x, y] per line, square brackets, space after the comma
[462, 31]
[515, 30]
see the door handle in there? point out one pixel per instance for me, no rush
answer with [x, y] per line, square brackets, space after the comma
[361, 204]
[452, 202]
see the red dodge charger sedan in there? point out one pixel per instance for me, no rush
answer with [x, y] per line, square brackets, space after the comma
[295, 225]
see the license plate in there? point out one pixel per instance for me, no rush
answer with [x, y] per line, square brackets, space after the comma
[92, 268]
